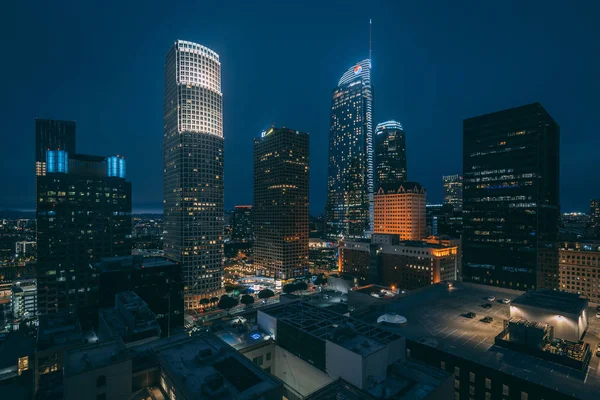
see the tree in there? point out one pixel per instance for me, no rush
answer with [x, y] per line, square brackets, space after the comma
[289, 288]
[301, 286]
[265, 294]
[247, 299]
[205, 301]
[214, 299]
[227, 303]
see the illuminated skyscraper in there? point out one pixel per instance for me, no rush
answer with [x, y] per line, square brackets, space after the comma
[349, 208]
[453, 191]
[280, 209]
[52, 135]
[511, 196]
[193, 168]
[390, 153]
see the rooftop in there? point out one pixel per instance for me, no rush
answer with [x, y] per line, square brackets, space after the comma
[94, 356]
[435, 319]
[350, 333]
[568, 303]
[61, 329]
[204, 366]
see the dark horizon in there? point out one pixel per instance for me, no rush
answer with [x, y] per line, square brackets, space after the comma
[432, 68]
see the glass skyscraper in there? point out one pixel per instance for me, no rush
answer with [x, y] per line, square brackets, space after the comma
[511, 196]
[193, 169]
[280, 209]
[390, 153]
[349, 208]
[453, 191]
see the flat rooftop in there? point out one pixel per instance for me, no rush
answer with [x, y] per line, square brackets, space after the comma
[94, 356]
[325, 324]
[568, 303]
[203, 360]
[61, 329]
[435, 318]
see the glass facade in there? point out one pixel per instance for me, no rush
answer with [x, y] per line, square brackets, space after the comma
[116, 166]
[193, 169]
[349, 207]
[280, 209]
[453, 191]
[242, 224]
[511, 197]
[390, 153]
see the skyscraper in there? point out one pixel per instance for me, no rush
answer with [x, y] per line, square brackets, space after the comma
[511, 197]
[390, 153]
[595, 218]
[193, 168]
[281, 203]
[453, 191]
[52, 135]
[241, 225]
[83, 214]
[349, 209]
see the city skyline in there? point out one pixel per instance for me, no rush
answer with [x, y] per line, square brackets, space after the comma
[422, 92]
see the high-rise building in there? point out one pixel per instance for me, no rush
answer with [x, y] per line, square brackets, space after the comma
[83, 214]
[594, 218]
[241, 224]
[453, 191]
[52, 135]
[390, 153]
[349, 209]
[193, 169]
[281, 203]
[400, 210]
[511, 197]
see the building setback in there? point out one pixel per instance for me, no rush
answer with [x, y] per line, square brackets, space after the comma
[400, 210]
[349, 207]
[193, 169]
[281, 203]
[390, 153]
[511, 198]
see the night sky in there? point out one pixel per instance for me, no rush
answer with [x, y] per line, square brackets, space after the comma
[434, 64]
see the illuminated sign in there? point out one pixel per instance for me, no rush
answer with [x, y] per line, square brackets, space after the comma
[267, 133]
[357, 70]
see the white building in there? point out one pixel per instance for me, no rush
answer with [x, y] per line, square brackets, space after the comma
[23, 300]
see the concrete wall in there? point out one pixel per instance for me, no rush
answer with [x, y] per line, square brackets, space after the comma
[344, 363]
[297, 374]
[83, 386]
[262, 351]
[267, 323]
[566, 326]
[375, 366]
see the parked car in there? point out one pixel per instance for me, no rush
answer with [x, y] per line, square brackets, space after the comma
[598, 350]
[491, 298]
[487, 319]
[487, 306]
[470, 315]
[505, 301]
[598, 315]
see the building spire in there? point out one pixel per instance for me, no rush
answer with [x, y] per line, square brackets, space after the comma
[370, 36]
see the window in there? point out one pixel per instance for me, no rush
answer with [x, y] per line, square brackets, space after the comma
[456, 371]
[101, 381]
[101, 396]
[488, 383]
[505, 390]
[524, 396]
[488, 396]
[443, 365]
[268, 356]
[258, 360]
[472, 376]
[472, 390]
[457, 384]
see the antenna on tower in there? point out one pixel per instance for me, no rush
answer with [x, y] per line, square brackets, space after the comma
[370, 37]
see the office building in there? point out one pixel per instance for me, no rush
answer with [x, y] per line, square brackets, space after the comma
[400, 264]
[24, 248]
[349, 208]
[572, 267]
[453, 191]
[23, 300]
[241, 224]
[594, 218]
[390, 153]
[400, 210]
[511, 197]
[156, 280]
[52, 135]
[193, 169]
[83, 214]
[443, 220]
[281, 203]
[526, 350]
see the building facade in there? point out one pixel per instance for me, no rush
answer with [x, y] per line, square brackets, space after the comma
[511, 197]
[349, 208]
[453, 191]
[281, 203]
[83, 214]
[400, 210]
[52, 135]
[594, 218]
[241, 224]
[390, 153]
[193, 168]
[23, 300]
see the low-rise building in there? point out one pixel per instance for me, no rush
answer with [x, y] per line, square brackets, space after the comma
[23, 300]
[400, 209]
[24, 248]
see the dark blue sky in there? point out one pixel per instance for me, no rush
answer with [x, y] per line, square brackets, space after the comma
[435, 63]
